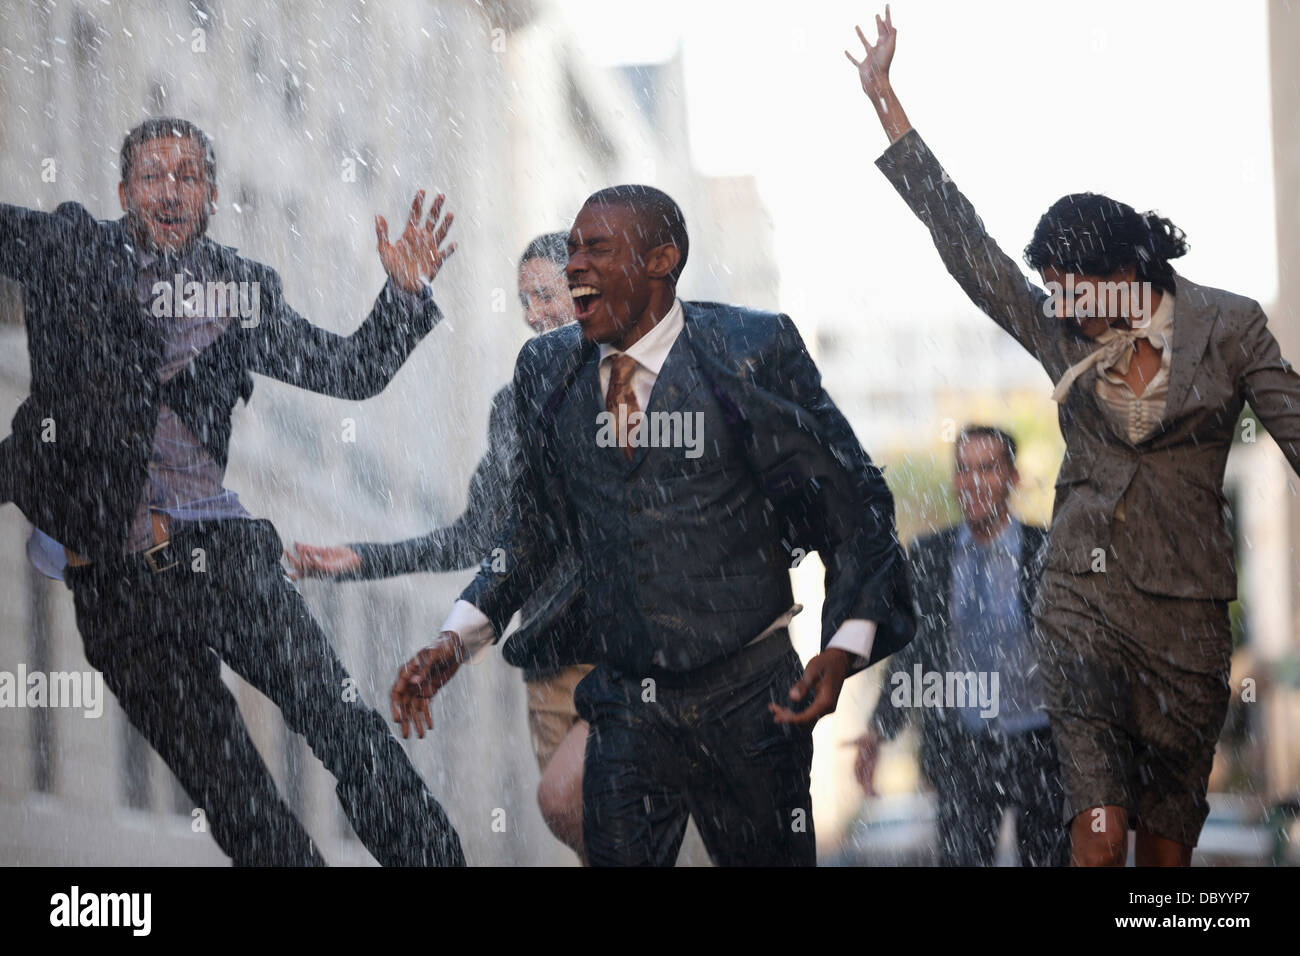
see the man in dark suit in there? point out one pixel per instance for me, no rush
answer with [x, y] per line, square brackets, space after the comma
[684, 451]
[975, 587]
[142, 335]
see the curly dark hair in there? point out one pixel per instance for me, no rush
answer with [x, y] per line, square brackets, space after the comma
[1090, 234]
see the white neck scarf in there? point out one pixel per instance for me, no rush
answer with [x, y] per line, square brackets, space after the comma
[1116, 346]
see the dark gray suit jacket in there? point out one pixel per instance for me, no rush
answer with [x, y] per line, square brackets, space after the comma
[1175, 539]
[821, 489]
[95, 359]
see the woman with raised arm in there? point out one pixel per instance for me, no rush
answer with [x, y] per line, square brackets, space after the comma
[1151, 372]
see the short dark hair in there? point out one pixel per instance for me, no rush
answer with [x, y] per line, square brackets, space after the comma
[160, 127]
[552, 245]
[1089, 234]
[988, 431]
[656, 212]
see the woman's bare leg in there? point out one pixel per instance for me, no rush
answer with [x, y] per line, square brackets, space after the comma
[1099, 837]
[1155, 850]
[559, 795]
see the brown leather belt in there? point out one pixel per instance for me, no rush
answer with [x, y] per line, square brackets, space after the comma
[156, 560]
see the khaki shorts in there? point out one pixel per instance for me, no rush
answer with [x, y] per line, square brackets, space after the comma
[551, 714]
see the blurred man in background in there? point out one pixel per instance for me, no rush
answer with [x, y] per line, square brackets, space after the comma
[975, 586]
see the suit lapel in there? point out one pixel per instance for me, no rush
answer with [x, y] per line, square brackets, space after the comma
[1086, 386]
[585, 396]
[938, 586]
[573, 397]
[735, 395]
[1194, 316]
[941, 563]
[1031, 541]
[122, 269]
[677, 379]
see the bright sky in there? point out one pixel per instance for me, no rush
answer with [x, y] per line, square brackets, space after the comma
[1163, 105]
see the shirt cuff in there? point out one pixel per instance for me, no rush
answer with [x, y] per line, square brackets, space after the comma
[855, 636]
[472, 626]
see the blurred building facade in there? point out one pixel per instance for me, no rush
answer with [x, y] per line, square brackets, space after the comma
[1277, 620]
[324, 114]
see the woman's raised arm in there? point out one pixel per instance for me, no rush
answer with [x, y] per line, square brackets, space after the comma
[988, 276]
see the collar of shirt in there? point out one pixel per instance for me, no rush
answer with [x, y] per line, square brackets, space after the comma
[651, 350]
[145, 259]
[1007, 541]
[153, 268]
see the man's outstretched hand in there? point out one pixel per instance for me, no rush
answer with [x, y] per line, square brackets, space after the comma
[422, 677]
[825, 672]
[418, 255]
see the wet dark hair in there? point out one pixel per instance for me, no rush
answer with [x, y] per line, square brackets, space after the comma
[552, 245]
[1090, 234]
[160, 127]
[988, 431]
[656, 212]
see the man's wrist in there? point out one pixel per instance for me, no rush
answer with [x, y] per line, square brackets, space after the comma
[471, 627]
[423, 288]
[452, 638]
[839, 657]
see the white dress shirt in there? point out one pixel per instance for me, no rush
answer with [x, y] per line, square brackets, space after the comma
[651, 351]
[1133, 415]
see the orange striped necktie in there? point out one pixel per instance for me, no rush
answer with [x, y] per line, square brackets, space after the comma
[620, 393]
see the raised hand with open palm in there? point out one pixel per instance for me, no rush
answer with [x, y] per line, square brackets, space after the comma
[417, 256]
[873, 71]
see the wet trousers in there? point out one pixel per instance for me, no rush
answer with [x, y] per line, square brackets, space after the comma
[159, 640]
